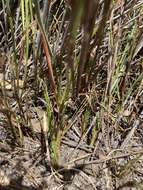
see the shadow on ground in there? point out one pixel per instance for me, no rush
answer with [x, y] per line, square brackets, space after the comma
[16, 184]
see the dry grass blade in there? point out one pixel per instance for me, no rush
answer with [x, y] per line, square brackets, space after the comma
[88, 28]
[139, 45]
[130, 135]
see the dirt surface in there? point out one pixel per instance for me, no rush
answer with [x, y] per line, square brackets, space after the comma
[113, 163]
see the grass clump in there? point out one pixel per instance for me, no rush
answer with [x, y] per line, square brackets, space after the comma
[79, 63]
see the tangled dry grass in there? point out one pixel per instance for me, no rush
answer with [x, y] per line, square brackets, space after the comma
[71, 94]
